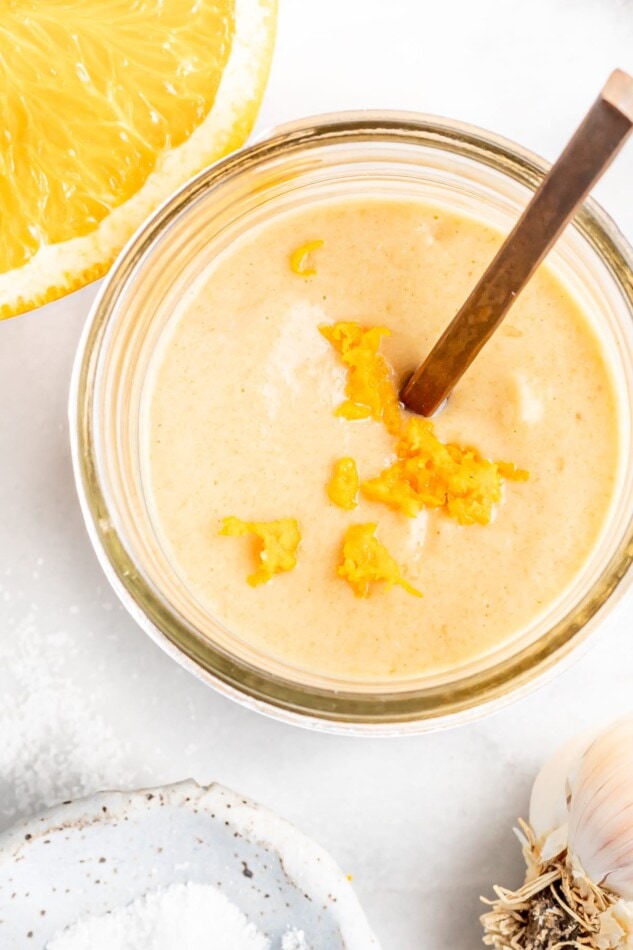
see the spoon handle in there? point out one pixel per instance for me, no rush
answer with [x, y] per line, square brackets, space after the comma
[591, 150]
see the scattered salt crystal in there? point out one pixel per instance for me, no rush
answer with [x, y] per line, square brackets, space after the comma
[188, 916]
[294, 940]
[54, 744]
[57, 640]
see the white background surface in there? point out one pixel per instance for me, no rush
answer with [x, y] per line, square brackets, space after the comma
[87, 701]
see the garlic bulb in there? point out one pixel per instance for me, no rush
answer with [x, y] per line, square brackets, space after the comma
[578, 849]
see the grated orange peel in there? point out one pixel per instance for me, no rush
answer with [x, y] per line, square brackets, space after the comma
[344, 484]
[298, 259]
[365, 561]
[370, 390]
[276, 544]
[108, 107]
[432, 474]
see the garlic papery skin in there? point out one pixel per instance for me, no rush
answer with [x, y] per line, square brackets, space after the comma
[578, 849]
[616, 927]
[549, 801]
[600, 834]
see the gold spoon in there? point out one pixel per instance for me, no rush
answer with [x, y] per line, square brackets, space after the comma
[588, 154]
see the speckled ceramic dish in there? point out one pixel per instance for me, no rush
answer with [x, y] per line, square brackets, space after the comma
[93, 855]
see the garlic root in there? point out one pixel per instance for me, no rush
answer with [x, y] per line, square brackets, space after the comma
[553, 909]
[578, 849]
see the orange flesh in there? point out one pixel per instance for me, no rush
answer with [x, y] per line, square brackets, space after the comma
[150, 70]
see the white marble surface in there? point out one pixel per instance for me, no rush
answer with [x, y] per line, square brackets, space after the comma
[87, 701]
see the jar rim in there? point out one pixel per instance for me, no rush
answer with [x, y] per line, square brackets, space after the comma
[329, 709]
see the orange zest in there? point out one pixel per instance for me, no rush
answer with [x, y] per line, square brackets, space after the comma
[276, 544]
[432, 474]
[365, 561]
[299, 256]
[344, 484]
[370, 390]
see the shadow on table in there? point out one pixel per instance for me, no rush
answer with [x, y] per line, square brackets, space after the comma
[495, 858]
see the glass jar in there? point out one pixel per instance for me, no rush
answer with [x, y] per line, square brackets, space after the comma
[390, 153]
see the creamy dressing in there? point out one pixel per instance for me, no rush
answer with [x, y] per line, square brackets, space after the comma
[239, 421]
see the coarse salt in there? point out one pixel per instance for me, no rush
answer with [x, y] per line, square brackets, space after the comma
[294, 940]
[54, 745]
[187, 916]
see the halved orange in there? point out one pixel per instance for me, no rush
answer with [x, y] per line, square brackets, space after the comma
[109, 106]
